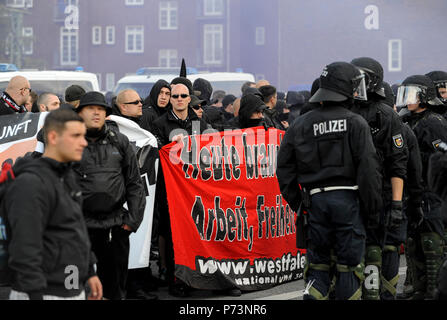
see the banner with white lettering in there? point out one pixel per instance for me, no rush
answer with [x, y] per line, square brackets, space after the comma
[18, 136]
[230, 226]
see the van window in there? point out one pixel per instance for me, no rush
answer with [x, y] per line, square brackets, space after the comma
[230, 87]
[143, 89]
[54, 86]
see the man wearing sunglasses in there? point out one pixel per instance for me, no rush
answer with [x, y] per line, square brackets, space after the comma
[129, 105]
[179, 119]
[13, 99]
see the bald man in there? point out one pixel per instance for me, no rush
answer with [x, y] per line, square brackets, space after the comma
[15, 96]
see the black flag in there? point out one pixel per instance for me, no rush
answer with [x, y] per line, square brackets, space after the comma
[183, 69]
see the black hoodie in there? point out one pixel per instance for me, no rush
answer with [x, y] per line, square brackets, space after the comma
[151, 100]
[48, 231]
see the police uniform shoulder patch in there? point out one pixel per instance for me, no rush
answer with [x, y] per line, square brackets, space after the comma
[398, 141]
[436, 144]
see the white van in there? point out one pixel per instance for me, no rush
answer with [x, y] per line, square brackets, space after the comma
[230, 82]
[53, 81]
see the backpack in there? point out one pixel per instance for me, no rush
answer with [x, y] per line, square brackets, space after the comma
[6, 178]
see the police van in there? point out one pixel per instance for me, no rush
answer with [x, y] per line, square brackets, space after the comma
[145, 78]
[53, 81]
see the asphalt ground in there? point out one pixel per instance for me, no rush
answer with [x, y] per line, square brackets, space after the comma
[288, 291]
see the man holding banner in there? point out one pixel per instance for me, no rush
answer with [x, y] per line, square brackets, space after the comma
[325, 157]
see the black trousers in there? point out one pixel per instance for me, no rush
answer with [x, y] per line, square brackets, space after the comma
[111, 247]
[335, 224]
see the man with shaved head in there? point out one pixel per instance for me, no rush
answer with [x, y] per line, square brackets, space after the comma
[48, 102]
[14, 97]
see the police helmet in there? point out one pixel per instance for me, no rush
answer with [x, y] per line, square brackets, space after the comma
[340, 81]
[417, 89]
[440, 80]
[373, 74]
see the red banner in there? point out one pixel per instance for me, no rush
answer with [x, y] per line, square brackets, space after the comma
[230, 224]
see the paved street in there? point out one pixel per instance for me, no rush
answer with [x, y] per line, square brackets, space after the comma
[288, 291]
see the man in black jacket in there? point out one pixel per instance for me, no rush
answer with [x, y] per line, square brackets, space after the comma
[387, 133]
[326, 156]
[50, 252]
[16, 94]
[109, 176]
[178, 120]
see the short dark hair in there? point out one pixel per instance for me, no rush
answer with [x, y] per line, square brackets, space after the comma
[267, 92]
[57, 119]
[246, 85]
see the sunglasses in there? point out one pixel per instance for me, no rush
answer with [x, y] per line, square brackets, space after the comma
[136, 102]
[197, 107]
[176, 96]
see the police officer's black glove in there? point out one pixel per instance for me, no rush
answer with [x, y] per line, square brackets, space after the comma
[416, 217]
[396, 215]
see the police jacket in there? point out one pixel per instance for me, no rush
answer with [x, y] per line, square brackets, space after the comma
[109, 176]
[48, 231]
[329, 146]
[9, 106]
[414, 185]
[386, 130]
[430, 129]
[169, 125]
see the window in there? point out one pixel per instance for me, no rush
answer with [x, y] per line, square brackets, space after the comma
[213, 44]
[260, 36]
[134, 39]
[19, 3]
[167, 58]
[96, 35]
[110, 81]
[110, 35]
[395, 55]
[27, 43]
[69, 46]
[134, 2]
[168, 18]
[213, 7]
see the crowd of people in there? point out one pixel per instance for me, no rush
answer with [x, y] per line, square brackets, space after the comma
[349, 160]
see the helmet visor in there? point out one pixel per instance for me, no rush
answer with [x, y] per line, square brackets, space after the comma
[407, 95]
[360, 87]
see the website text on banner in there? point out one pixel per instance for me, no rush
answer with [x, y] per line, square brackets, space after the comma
[230, 225]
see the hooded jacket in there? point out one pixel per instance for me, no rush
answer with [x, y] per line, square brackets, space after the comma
[151, 101]
[48, 231]
[9, 106]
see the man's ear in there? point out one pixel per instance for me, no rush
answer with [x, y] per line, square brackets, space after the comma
[42, 108]
[52, 137]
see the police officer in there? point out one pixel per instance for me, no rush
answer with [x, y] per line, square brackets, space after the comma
[412, 199]
[382, 256]
[440, 80]
[416, 94]
[328, 153]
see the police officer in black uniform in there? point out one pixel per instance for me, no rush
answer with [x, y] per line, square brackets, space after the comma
[382, 256]
[416, 95]
[328, 157]
[440, 80]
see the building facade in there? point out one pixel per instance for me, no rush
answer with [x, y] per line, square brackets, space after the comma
[287, 42]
